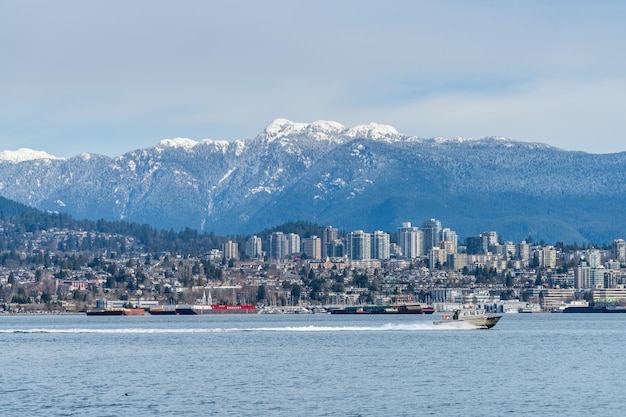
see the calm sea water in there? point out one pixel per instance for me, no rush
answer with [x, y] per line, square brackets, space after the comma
[311, 365]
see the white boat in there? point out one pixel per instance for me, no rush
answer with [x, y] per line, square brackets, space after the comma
[476, 317]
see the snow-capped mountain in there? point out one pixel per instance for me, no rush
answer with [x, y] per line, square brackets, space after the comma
[364, 177]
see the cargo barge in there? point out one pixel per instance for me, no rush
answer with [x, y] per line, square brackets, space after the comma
[163, 311]
[389, 309]
[195, 309]
[117, 312]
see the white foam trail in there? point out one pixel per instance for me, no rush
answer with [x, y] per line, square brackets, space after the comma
[389, 327]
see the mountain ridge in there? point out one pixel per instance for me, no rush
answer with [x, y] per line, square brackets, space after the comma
[366, 177]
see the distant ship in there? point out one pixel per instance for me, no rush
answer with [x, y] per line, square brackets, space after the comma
[388, 309]
[116, 312]
[206, 306]
[192, 309]
[595, 308]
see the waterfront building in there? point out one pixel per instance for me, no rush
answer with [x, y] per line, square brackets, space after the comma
[254, 247]
[432, 234]
[597, 277]
[610, 278]
[609, 295]
[358, 245]
[410, 241]
[313, 247]
[551, 299]
[380, 245]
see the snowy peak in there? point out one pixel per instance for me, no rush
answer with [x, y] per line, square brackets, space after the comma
[330, 131]
[25, 154]
[375, 131]
[184, 143]
[282, 127]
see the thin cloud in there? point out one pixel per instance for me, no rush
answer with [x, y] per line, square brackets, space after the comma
[107, 78]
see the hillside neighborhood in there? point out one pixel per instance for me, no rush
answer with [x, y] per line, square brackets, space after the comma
[65, 270]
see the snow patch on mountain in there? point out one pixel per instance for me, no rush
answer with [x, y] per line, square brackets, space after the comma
[225, 177]
[26, 154]
[261, 190]
[240, 147]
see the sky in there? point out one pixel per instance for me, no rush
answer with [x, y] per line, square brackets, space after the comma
[110, 77]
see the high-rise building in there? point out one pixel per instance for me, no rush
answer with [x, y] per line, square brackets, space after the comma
[293, 244]
[410, 241]
[523, 252]
[474, 245]
[451, 240]
[509, 250]
[432, 234]
[277, 245]
[329, 236]
[230, 250]
[618, 250]
[582, 276]
[548, 257]
[436, 257]
[313, 247]
[595, 258]
[358, 245]
[380, 245]
[335, 249]
[254, 247]
[597, 277]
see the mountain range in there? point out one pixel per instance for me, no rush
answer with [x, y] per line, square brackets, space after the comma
[368, 177]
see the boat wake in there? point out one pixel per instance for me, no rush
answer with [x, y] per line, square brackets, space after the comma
[389, 327]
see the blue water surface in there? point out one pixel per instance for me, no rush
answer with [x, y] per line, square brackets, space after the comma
[311, 365]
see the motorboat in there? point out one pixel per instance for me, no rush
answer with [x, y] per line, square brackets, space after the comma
[475, 317]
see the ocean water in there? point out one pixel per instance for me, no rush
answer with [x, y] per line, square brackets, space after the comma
[311, 365]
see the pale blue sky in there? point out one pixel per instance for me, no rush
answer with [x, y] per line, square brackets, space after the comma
[110, 77]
